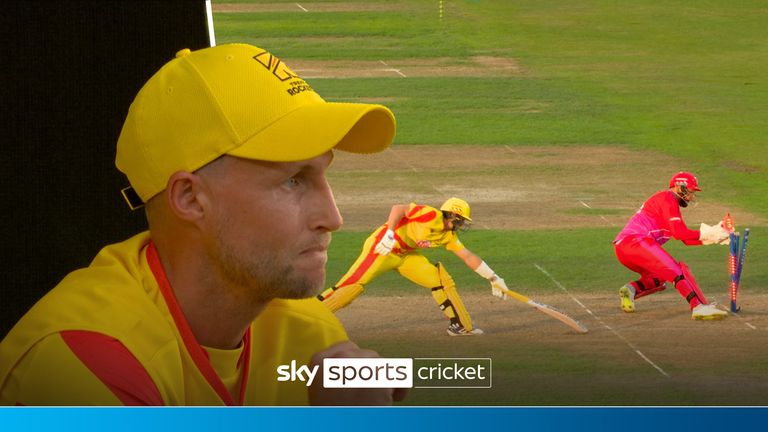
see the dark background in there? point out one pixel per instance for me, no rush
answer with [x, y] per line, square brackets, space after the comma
[69, 70]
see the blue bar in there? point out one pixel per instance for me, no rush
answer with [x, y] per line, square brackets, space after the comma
[506, 419]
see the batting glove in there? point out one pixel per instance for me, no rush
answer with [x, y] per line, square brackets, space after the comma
[386, 243]
[498, 287]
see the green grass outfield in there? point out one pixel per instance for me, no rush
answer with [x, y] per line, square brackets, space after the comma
[582, 260]
[685, 79]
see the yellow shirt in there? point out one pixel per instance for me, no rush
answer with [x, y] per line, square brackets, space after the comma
[228, 366]
[112, 333]
[423, 227]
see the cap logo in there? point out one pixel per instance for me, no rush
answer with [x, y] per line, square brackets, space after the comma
[274, 65]
[240, 100]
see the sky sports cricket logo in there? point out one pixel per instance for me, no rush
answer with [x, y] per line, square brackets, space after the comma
[393, 373]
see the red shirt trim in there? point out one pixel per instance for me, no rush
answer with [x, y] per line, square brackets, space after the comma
[426, 217]
[366, 264]
[111, 362]
[198, 354]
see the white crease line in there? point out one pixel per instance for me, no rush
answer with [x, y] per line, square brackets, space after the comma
[301, 7]
[510, 148]
[390, 69]
[743, 320]
[581, 304]
[397, 71]
[652, 363]
[409, 165]
[736, 315]
[631, 346]
[601, 216]
[559, 285]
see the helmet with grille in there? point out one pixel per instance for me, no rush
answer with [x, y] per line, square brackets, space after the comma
[458, 207]
[686, 179]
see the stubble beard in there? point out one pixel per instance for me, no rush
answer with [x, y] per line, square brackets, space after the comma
[260, 275]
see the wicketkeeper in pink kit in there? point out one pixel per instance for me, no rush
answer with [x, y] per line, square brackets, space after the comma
[638, 247]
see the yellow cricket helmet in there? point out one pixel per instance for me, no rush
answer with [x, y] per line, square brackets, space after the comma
[457, 206]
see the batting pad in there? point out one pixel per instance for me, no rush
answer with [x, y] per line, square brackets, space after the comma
[448, 298]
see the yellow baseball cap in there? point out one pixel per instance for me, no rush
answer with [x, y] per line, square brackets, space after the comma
[239, 100]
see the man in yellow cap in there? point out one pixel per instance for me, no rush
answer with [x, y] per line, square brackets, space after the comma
[396, 245]
[227, 149]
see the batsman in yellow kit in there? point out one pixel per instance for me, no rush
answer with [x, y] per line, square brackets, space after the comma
[396, 245]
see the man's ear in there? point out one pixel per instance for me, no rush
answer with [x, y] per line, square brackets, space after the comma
[186, 196]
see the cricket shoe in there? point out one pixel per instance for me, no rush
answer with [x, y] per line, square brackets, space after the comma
[708, 312]
[627, 295]
[457, 329]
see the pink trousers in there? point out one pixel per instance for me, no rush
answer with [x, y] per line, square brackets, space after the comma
[656, 266]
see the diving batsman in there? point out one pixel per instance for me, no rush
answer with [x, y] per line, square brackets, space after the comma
[397, 245]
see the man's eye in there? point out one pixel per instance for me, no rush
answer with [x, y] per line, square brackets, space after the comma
[293, 182]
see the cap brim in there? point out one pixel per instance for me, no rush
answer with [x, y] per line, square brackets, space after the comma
[312, 130]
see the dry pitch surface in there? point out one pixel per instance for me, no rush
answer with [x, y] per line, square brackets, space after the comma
[657, 356]
[513, 187]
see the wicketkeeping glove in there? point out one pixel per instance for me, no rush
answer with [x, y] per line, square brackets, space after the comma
[716, 234]
[498, 287]
[385, 245]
